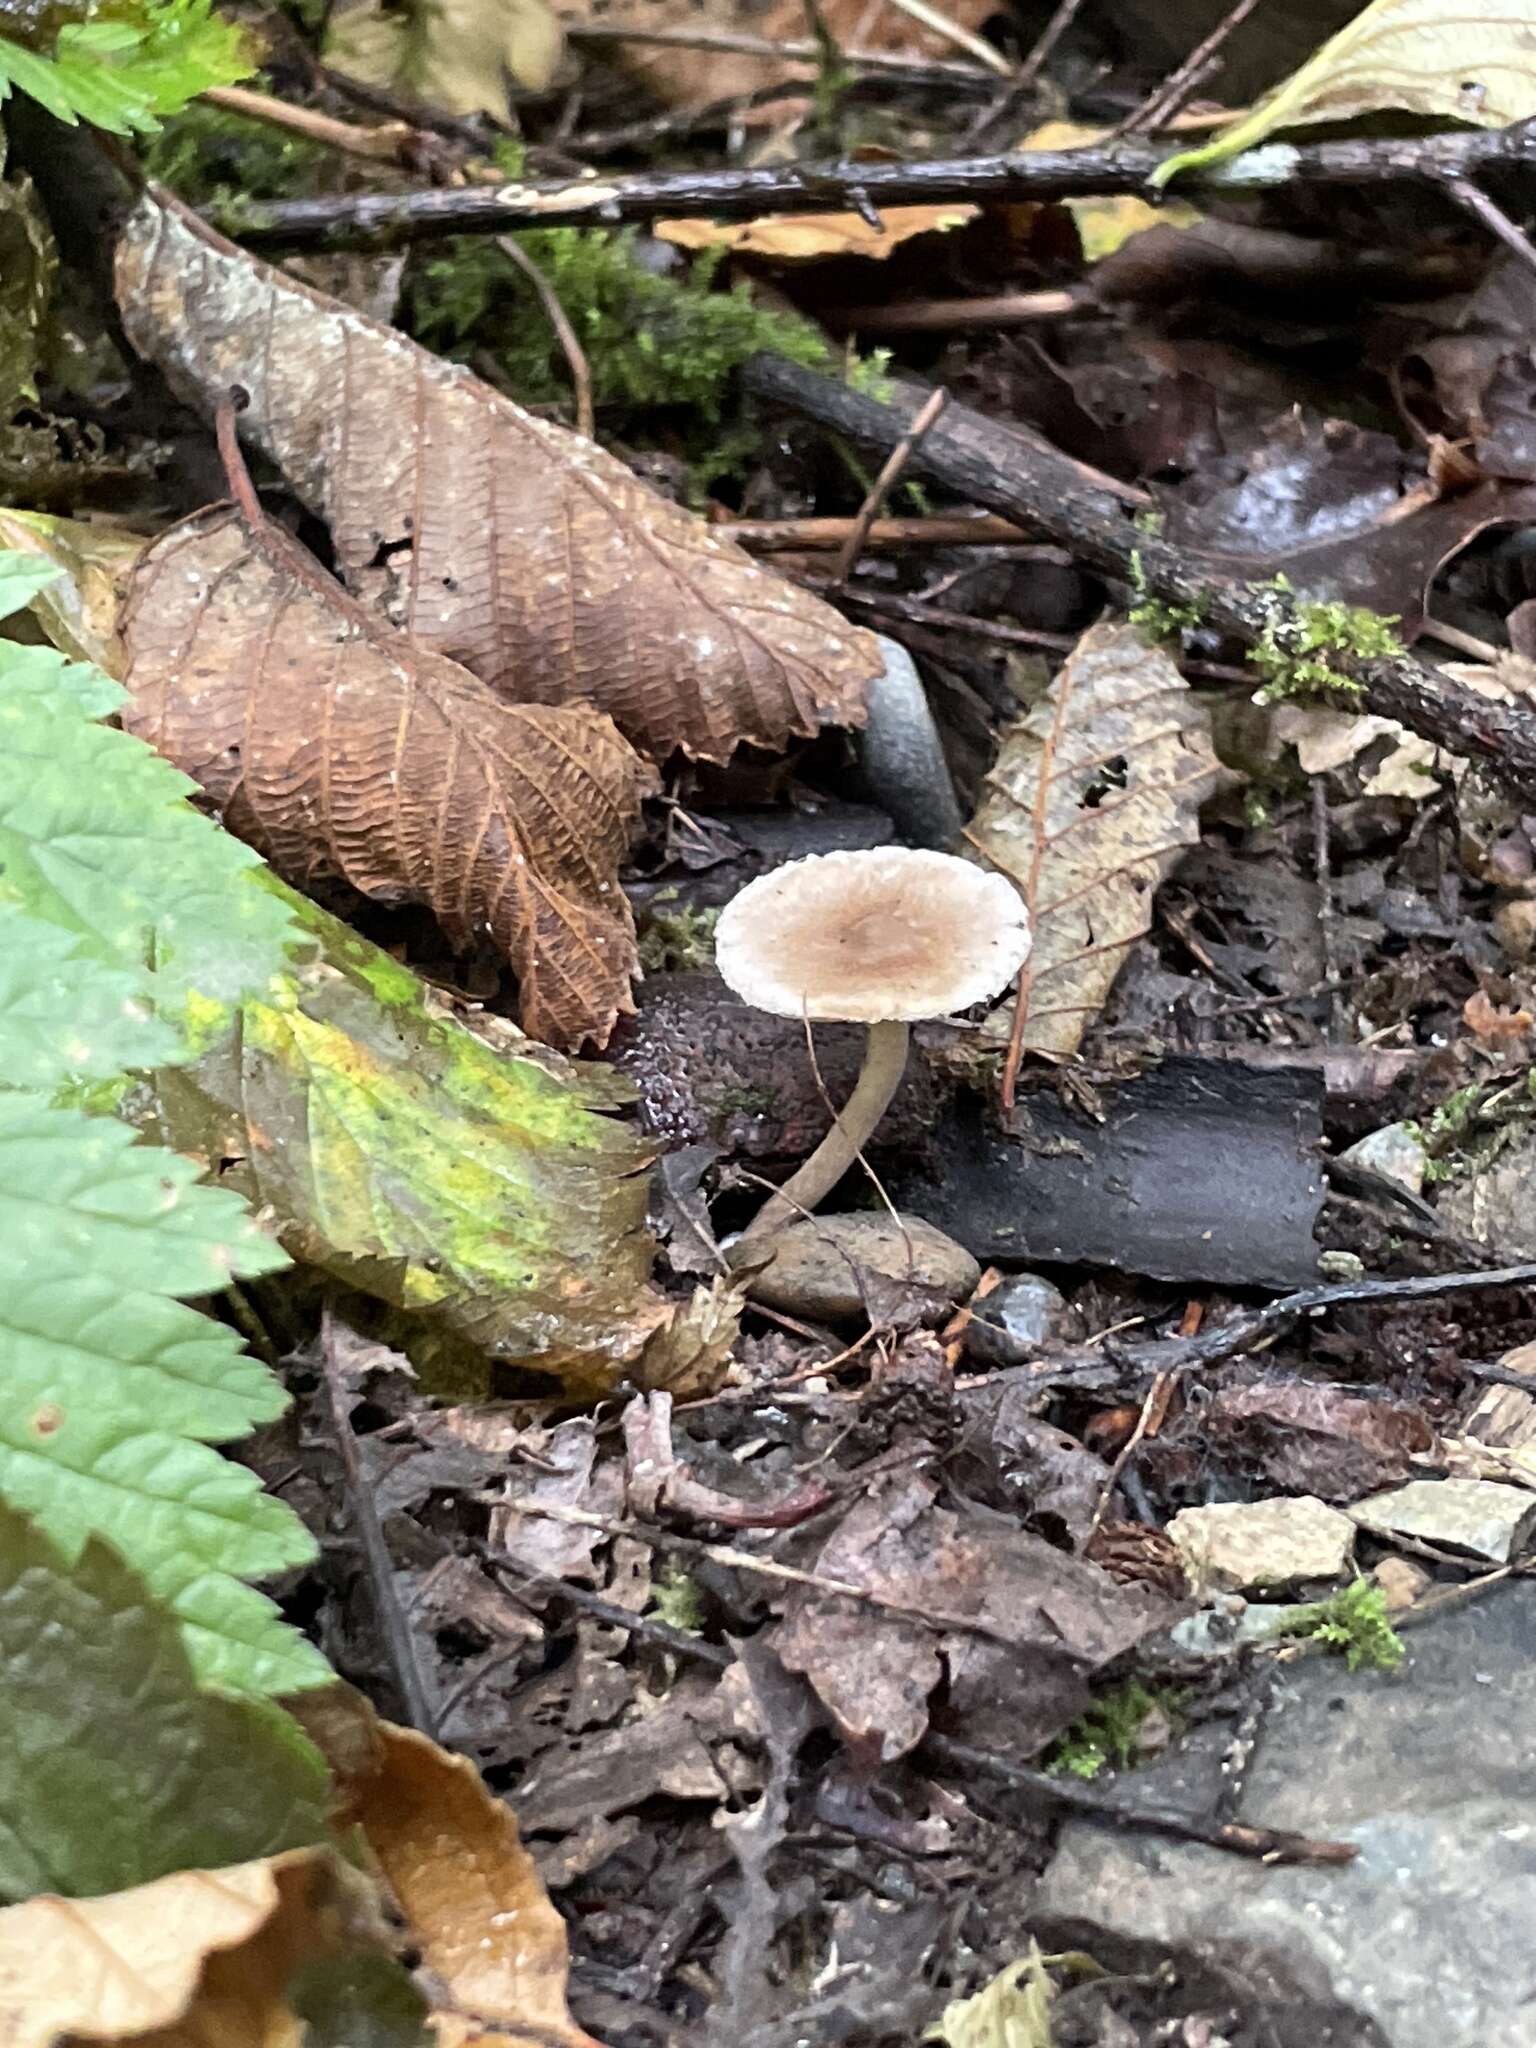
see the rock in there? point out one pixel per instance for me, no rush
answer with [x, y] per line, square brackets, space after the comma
[903, 757]
[1424, 1940]
[1028, 1307]
[1401, 1582]
[1475, 1515]
[1236, 1545]
[812, 1269]
[1395, 1152]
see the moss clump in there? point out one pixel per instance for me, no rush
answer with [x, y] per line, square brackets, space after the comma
[676, 1600]
[1353, 1623]
[1293, 653]
[1153, 617]
[652, 342]
[1109, 1734]
[207, 155]
[679, 941]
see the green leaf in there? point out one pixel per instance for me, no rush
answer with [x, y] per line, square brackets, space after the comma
[98, 843]
[115, 1390]
[123, 73]
[1452, 60]
[115, 1769]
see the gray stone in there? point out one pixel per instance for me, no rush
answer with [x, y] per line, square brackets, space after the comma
[1028, 1307]
[1395, 1153]
[814, 1269]
[902, 755]
[1426, 1936]
[1478, 1516]
[1236, 1545]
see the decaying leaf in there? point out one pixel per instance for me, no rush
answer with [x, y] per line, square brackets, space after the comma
[690, 1356]
[1013, 2011]
[512, 545]
[79, 611]
[204, 1956]
[1096, 793]
[457, 55]
[451, 1854]
[681, 76]
[1455, 60]
[339, 750]
[1027, 1624]
[810, 237]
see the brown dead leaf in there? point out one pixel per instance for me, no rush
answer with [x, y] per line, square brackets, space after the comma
[1312, 1438]
[681, 76]
[1095, 795]
[812, 237]
[199, 1958]
[501, 540]
[338, 749]
[469, 1891]
[1029, 1624]
[1493, 1023]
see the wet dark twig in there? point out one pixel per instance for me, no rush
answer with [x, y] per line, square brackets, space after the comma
[1264, 1845]
[382, 219]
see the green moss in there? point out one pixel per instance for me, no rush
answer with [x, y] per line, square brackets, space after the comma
[679, 941]
[653, 343]
[1108, 1735]
[1153, 617]
[1294, 653]
[1353, 1623]
[677, 1601]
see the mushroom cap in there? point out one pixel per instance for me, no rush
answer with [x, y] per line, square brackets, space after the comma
[891, 935]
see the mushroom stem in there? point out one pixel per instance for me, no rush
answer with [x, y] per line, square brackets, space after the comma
[885, 1061]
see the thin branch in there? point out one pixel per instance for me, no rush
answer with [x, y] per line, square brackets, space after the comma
[880, 489]
[565, 333]
[879, 63]
[926, 316]
[1493, 217]
[1180, 83]
[391, 143]
[375, 218]
[939, 23]
[814, 536]
[1029, 481]
[1264, 1845]
[1004, 114]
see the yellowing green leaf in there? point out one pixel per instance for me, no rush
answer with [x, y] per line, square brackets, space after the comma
[1453, 60]
[1013, 2011]
[454, 54]
[1103, 224]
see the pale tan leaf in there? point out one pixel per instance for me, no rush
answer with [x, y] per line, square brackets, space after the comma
[1012, 2011]
[690, 1355]
[193, 1960]
[340, 750]
[513, 545]
[459, 55]
[1104, 223]
[810, 237]
[1454, 60]
[452, 1856]
[78, 611]
[1095, 795]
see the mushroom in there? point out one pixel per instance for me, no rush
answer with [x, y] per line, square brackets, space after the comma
[883, 938]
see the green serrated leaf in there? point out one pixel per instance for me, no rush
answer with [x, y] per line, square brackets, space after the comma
[115, 1390]
[1448, 60]
[98, 843]
[115, 1768]
[124, 72]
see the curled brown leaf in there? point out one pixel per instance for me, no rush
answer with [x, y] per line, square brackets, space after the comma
[340, 750]
[513, 545]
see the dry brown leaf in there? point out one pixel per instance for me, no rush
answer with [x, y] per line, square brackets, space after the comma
[338, 749]
[508, 543]
[452, 1856]
[681, 76]
[201, 1958]
[809, 237]
[1096, 793]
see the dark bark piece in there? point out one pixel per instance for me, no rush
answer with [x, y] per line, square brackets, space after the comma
[1202, 1170]
[513, 545]
[1048, 493]
[340, 750]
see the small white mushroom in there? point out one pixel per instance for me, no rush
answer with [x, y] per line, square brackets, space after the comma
[883, 938]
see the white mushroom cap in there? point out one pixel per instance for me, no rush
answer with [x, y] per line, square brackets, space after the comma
[891, 935]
